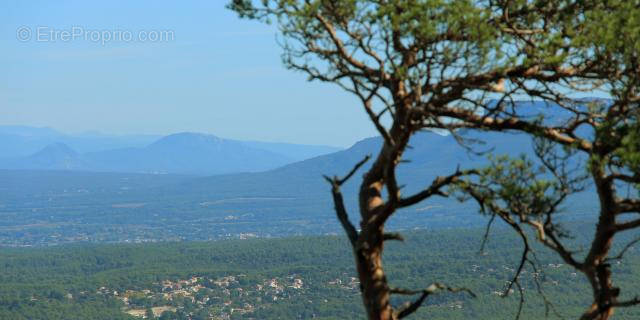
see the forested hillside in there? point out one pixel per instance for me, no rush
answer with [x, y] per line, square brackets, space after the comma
[289, 278]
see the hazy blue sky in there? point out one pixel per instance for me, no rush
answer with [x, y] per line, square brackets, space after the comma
[218, 74]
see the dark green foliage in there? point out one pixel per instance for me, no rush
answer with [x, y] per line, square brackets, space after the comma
[36, 281]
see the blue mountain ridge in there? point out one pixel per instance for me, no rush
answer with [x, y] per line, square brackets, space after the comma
[183, 153]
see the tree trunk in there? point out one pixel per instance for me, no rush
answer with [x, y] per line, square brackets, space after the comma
[370, 245]
[373, 282]
[595, 314]
[597, 270]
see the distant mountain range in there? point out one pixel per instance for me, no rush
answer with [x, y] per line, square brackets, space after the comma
[298, 189]
[430, 155]
[292, 199]
[202, 154]
[184, 153]
[266, 189]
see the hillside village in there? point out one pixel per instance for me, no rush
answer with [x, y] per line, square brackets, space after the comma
[201, 297]
[237, 297]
